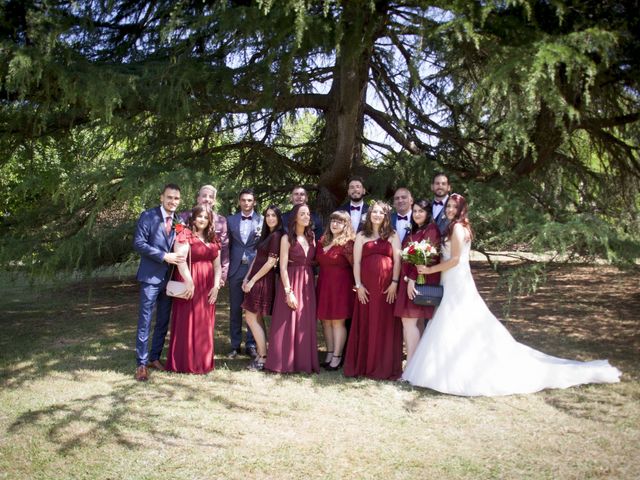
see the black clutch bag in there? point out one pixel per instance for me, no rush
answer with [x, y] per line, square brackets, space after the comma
[428, 295]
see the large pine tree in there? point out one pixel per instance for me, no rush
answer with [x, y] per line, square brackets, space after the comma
[530, 103]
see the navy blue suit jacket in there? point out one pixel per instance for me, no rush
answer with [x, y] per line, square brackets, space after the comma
[151, 241]
[236, 246]
[442, 222]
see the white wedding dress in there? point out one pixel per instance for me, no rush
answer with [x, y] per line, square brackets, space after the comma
[465, 350]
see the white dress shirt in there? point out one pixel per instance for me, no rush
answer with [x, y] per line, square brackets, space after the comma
[356, 215]
[436, 209]
[246, 226]
[402, 225]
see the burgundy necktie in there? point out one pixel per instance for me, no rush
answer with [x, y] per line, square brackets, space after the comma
[167, 225]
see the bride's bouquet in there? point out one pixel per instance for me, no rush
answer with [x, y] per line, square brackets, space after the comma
[419, 253]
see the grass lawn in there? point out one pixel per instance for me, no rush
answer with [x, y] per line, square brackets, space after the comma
[70, 408]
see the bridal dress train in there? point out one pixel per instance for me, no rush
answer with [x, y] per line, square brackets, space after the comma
[466, 351]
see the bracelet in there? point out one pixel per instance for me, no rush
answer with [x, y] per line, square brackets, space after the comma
[394, 280]
[358, 286]
[287, 290]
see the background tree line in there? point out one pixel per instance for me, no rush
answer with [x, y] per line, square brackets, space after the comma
[532, 107]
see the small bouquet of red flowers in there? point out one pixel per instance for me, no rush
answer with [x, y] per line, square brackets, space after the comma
[420, 253]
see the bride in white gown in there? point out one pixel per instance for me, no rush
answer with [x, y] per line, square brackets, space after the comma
[465, 350]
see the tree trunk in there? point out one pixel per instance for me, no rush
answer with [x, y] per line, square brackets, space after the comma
[341, 147]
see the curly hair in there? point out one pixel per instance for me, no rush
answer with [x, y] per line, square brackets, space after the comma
[343, 237]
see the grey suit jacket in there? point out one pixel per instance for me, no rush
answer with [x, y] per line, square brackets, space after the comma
[238, 248]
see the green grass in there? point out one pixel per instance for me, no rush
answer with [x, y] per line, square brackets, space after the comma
[69, 407]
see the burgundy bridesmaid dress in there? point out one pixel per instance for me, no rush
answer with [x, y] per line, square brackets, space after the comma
[374, 348]
[405, 308]
[293, 345]
[260, 298]
[192, 321]
[335, 282]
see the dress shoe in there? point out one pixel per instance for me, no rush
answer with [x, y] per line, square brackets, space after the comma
[157, 364]
[233, 353]
[142, 375]
[251, 351]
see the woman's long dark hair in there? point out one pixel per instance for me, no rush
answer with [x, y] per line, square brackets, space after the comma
[308, 231]
[265, 228]
[461, 216]
[386, 230]
[210, 231]
[427, 207]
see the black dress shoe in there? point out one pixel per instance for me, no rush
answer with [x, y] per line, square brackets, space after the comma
[251, 351]
[233, 353]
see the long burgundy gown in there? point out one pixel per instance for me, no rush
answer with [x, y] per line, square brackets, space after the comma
[335, 282]
[260, 298]
[192, 321]
[403, 306]
[292, 334]
[374, 348]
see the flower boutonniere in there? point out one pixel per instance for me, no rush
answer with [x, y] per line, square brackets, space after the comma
[178, 225]
[258, 231]
[407, 230]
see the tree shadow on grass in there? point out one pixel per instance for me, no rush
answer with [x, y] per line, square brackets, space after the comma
[113, 416]
[48, 331]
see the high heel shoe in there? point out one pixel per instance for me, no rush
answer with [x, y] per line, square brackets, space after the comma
[257, 365]
[333, 369]
[325, 364]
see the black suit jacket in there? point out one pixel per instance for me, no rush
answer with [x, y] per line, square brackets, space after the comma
[347, 208]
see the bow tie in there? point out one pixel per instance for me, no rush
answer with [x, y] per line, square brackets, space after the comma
[246, 218]
[405, 217]
[355, 208]
[438, 202]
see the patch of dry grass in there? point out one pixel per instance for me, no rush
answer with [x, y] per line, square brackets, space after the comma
[69, 407]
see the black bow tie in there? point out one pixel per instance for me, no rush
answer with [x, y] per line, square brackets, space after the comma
[438, 202]
[355, 208]
[246, 218]
[405, 217]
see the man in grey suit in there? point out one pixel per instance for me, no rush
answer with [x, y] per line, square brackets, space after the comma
[441, 188]
[153, 240]
[243, 229]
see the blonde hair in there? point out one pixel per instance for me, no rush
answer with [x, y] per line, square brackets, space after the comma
[343, 237]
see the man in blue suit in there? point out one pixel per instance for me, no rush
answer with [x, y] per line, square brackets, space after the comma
[356, 207]
[153, 240]
[401, 218]
[243, 229]
[440, 187]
